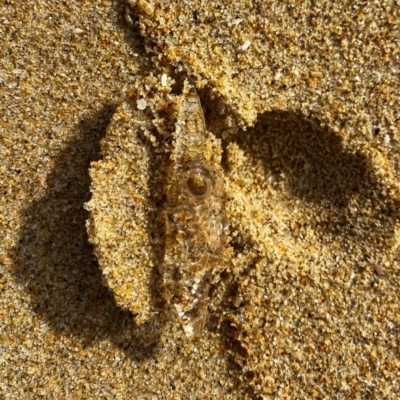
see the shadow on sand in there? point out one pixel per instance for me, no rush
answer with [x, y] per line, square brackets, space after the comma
[55, 261]
[340, 184]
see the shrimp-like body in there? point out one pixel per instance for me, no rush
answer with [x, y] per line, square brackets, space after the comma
[195, 222]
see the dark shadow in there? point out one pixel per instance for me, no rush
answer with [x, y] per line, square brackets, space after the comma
[128, 22]
[337, 186]
[55, 262]
[316, 168]
[227, 333]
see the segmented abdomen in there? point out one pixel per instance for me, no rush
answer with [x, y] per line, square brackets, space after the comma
[195, 222]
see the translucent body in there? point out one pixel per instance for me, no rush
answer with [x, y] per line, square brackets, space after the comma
[195, 222]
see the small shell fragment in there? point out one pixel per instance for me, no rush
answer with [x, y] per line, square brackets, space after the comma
[245, 45]
[147, 7]
[164, 78]
[141, 104]
[378, 269]
[316, 74]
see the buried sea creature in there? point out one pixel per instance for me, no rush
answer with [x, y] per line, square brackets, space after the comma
[196, 226]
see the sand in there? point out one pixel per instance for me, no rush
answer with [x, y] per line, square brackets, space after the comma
[304, 99]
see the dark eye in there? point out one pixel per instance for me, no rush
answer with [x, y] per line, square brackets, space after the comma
[198, 184]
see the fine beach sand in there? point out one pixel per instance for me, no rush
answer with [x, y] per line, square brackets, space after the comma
[303, 100]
